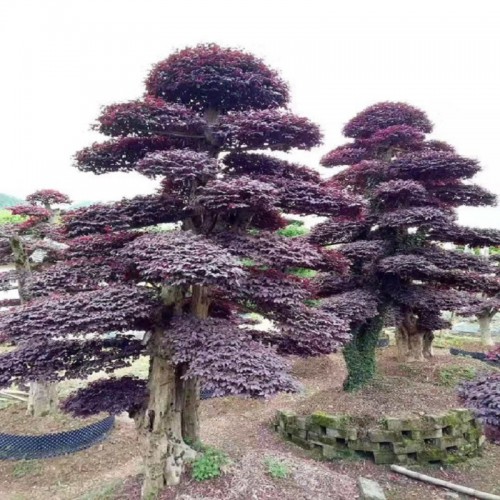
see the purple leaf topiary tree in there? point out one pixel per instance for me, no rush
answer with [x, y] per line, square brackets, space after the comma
[412, 186]
[205, 111]
[30, 246]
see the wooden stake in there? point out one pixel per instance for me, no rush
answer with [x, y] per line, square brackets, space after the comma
[445, 484]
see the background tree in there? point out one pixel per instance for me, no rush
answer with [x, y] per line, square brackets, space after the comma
[205, 110]
[29, 246]
[412, 186]
[484, 310]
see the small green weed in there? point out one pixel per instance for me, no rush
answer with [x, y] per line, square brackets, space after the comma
[452, 375]
[26, 468]
[209, 465]
[277, 468]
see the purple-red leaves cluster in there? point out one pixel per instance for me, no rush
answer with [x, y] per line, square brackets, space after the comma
[126, 214]
[272, 129]
[181, 258]
[179, 166]
[433, 165]
[237, 194]
[62, 359]
[108, 395]
[384, 115]
[119, 308]
[149, 117]
[227, 359]
[48, 197]
[209, 76]
[121, 155]
[483, 397]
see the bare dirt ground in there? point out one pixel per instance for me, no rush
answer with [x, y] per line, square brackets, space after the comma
[109, 471]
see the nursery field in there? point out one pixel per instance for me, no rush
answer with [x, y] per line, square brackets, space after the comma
[261, 465]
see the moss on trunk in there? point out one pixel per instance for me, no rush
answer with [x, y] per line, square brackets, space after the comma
[359, 354]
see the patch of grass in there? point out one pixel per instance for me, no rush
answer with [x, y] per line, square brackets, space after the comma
[293, 230]
[26, 468]
[445, 341]
[209, 465]
[277, 468]
[450, 376]
[107, 491]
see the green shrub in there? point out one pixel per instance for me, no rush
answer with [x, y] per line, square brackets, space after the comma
[209, 465]
[277, 468]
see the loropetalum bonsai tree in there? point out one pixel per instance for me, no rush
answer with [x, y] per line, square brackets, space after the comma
[30, 246]
[205, 110]
[412, 186]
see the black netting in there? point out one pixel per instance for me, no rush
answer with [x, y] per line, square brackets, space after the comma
[16, 447]
[481, 356]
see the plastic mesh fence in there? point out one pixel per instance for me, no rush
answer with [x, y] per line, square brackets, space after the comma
[17, 447]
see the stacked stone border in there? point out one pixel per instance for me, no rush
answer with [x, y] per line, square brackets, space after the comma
[446, 438]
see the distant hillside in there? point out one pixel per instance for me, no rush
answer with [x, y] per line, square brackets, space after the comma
[9, 201]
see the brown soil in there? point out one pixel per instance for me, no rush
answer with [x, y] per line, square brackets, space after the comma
[241, 428]
[14, 421]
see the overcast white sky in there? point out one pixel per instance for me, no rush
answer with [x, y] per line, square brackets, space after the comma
[62, 60]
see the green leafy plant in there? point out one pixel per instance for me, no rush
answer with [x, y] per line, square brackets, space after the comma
[6, 217]
[277, 468]
[209, 465]
[450, 376]
[293, 230]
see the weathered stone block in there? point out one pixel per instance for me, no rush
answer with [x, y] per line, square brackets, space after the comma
[312, 436]
[363, 445]
[384, 457]
[433, 422]
[327, 440]
[300, 433]
[382, 435]
[408, 447]
[288, 417]
[449, 441]
[301, 423]
[432, 434]
[370, 490]
[316, 429]
[331, 421]
[333, 433]
[301, 442]
[330, 452]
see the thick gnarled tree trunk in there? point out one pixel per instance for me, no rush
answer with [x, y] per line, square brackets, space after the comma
[485, 329]
[200, 302]
[359, 354]
[42, 399]
[160, 428]
[412, 343]
[191, 411]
